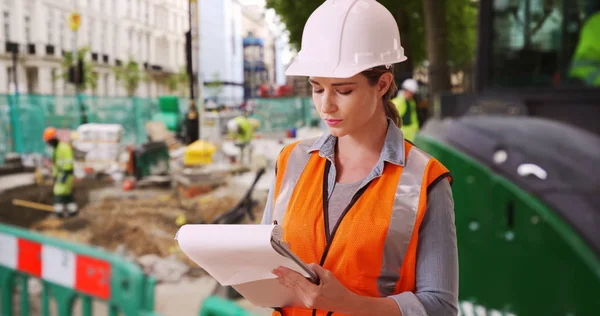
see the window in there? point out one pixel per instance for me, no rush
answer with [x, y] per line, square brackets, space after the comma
[130, 41]
[49, 26]
[140, 45]
[102, 39]
[533, 41]
[7, 25]
[148, 48]
[115, 42]
[141, 9]
[27, 29]
[61, 34]
[173, 21]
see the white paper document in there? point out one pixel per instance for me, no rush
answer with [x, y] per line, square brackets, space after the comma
[242, 256]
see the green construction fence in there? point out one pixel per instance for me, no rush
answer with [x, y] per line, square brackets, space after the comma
[27, 255]
[517, 256]
[23, 118]
[6, 141]
[281, 114]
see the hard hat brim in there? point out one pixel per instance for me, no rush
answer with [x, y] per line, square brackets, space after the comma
[308, 69]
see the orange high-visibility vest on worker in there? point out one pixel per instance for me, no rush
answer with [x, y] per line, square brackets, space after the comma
[385, 213]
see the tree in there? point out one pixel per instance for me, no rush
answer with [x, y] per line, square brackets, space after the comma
[179, 82]
[131, 75]
[437, 46]
[408, 15]
[459, 16]
[90, 78]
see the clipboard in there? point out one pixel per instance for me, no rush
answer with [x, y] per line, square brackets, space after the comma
[270, 293]
[284, 251]
[243, 256]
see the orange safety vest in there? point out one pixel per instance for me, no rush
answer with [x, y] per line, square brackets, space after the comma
[373, 248]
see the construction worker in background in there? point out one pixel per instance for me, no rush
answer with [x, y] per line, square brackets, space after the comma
[586, 60]
[62, 172]
[242, 130]
[407, 107]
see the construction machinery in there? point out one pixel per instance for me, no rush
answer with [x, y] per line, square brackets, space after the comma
[522, 149]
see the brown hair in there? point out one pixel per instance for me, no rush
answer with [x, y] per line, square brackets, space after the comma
[373, 76]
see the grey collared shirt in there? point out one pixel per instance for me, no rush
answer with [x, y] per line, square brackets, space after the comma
[437, 256]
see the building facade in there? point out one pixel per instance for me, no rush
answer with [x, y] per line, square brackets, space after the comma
[238, 49]
[149, 32]
[220, 56]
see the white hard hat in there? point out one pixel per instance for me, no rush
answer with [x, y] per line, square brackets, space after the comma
[411, 85]
[345, 37]
[232, 126]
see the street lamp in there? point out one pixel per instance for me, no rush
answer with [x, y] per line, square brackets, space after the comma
[76, 71]
[196, 103]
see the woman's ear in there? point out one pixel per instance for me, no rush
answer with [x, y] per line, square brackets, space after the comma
[384, 83]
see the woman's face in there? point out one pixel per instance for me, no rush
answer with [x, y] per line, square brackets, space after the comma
[348, 105]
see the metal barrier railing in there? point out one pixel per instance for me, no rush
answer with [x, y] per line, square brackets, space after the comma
[67, 272]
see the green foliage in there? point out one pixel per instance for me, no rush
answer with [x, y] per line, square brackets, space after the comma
[414, 42]
[173, 83]
[130, 75]
[461, 16]
[294, 15]
[179, 82]
[90, 78]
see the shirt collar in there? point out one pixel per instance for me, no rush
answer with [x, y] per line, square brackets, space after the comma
[392, 151]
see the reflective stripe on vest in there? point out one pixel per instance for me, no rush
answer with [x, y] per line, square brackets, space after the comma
[372, 249]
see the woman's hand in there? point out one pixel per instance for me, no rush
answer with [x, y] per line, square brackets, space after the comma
[329, 295]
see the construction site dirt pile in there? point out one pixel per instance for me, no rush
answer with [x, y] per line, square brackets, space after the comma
[39, 193]
[141, 224]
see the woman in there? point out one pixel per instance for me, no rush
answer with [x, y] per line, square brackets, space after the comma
[370, 211]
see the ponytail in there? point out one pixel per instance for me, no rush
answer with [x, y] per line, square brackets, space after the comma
[391, 112]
